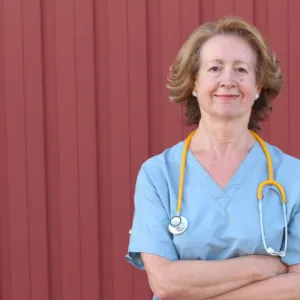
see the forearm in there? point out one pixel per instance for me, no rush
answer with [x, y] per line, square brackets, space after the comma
[189, 280]
[281, 287]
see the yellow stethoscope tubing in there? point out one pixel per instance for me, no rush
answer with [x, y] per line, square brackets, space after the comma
[270, 180]
[182, 169]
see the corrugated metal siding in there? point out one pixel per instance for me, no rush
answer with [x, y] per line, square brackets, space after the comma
[83, 103]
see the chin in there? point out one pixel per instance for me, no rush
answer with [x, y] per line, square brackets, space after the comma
[227, 114]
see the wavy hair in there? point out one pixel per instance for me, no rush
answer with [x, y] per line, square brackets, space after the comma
[183, 72]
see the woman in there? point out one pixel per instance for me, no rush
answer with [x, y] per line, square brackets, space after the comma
[227, 77]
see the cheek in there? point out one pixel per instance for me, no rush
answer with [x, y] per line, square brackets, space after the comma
[247, 87]
[248, 93]
[207, 86]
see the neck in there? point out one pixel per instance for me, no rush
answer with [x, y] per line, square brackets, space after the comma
[222, 137]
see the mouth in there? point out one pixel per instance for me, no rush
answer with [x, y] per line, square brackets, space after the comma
[227, 96]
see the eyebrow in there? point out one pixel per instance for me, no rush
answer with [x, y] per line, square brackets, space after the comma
[236, 62]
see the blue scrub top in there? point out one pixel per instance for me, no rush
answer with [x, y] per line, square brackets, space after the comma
[223, 223]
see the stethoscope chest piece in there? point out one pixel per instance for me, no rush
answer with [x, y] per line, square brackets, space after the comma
[178, 225]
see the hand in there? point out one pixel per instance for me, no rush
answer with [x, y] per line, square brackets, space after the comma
[269, 266]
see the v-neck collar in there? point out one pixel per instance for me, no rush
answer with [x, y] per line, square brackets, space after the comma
[223, 196]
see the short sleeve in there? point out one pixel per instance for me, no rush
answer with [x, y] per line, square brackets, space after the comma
[149, 232]
[292, 256]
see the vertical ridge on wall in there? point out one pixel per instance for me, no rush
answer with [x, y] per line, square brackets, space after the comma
[170, 43]
[138, 116]
[244, 9]
[206, 11]
[35, 148]
[279, 120]
[86, 140]
[223, 8]
[190, 19]
[52, 149]
[5, 269]
[261, 21]
[67, 121]
[154, 75]
[120, 145]
[104, 148]
[16, 151]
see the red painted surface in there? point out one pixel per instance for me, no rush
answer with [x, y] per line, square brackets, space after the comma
[82, 104]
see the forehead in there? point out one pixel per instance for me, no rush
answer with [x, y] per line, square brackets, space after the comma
[228, 48]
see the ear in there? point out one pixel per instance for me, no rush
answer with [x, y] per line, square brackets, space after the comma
[195, 88]
[258, 89]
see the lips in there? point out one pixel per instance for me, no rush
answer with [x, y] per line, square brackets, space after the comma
[227, 96]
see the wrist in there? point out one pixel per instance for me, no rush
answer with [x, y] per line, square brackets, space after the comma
[256, 271]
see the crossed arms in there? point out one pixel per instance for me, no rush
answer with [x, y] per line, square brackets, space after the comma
[259, 276]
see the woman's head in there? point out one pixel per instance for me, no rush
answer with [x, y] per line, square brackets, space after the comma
[222, 68]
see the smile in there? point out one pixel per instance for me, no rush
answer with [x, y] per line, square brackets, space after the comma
[227, 97]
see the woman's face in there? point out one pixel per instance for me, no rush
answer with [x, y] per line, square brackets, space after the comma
[226, 84]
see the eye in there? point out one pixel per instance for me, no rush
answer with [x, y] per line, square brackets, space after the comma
[241, 70]
[215, 69]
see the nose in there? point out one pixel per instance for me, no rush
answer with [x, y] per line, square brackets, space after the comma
[228, 79]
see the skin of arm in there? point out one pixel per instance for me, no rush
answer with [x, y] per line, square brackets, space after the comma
[281, 287]
[196, 280]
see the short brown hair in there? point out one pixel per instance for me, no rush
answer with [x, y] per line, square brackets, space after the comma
[185, 68]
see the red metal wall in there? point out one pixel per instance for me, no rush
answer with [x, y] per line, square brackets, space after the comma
[82, 105]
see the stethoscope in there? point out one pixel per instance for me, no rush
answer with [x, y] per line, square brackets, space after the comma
[179, 224]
